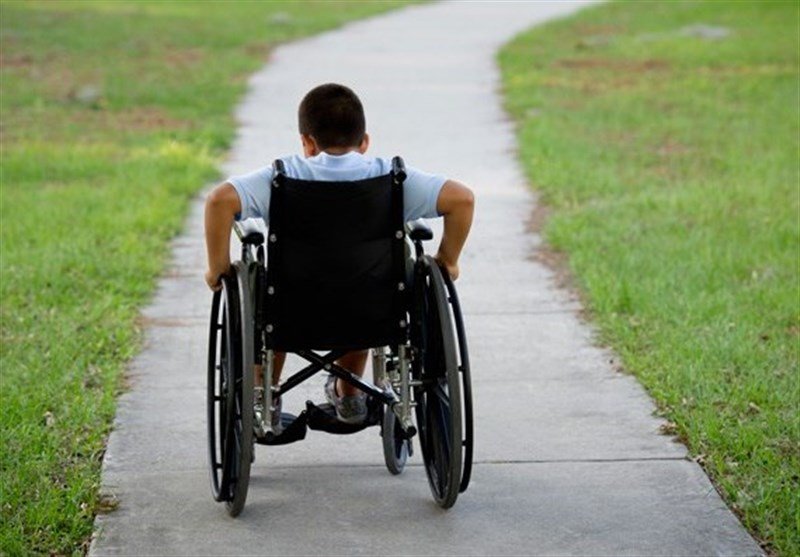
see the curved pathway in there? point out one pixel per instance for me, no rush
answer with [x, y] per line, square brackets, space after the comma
[568, 455]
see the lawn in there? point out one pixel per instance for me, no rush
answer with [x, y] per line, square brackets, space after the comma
[114, 114]
[663, 140]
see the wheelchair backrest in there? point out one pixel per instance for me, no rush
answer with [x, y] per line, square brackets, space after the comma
[335, 263]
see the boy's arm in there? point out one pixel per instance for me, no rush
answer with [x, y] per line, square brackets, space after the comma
[222, 205]
[456, 204]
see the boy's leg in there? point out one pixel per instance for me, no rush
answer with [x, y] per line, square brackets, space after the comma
[277, 368]
[355, 362]
[349, 402]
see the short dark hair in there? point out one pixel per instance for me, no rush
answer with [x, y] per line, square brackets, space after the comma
[333, 115]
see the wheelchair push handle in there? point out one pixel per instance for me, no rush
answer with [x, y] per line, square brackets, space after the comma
[418, 231]
[248, 232]
[398, 169]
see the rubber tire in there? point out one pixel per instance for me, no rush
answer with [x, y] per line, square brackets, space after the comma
[243, 428]
[438, 420]
[466, 383]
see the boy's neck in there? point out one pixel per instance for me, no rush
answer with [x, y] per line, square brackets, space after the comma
[338, 151]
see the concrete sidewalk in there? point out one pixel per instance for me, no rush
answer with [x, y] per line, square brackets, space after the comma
[568, 455]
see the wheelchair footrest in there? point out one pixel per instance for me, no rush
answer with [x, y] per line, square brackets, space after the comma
[323, 418]
[320, 418]
[294, 429]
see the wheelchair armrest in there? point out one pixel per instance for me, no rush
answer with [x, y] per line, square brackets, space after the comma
[419, 231]
[249, 232]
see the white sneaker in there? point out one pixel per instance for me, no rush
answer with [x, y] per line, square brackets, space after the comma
[349, 409]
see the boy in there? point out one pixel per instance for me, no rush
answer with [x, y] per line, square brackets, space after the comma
[333, 134]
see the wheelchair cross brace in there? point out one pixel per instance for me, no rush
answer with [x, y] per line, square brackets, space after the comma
[327, 362]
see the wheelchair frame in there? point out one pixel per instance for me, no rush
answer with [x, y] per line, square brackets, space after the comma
[429, 372]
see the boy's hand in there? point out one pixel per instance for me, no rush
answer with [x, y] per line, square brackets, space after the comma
[213, 280]
[451, 268]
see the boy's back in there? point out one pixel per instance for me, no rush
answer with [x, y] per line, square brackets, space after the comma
[421, 190]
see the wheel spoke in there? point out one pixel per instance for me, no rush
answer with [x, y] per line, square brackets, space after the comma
[440, 392]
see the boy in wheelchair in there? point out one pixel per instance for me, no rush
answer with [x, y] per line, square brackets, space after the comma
[333, 135]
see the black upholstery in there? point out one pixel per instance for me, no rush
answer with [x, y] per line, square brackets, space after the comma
[335, 264]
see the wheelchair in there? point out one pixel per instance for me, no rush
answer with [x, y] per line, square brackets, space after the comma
[339, 270]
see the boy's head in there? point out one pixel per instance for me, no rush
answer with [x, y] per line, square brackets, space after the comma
[331, 119]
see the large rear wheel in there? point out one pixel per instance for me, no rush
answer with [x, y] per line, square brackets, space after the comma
[229, 398]
[438, 397]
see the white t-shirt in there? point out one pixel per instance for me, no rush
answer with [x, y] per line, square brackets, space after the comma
[420, 189]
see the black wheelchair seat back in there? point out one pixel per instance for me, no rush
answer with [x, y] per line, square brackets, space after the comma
[335, 263]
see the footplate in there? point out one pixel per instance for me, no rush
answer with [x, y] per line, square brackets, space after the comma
[294, 429]
[320, 418]
[323, 418]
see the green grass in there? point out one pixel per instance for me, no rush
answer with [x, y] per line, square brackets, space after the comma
[669, 164]
[92, 191]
